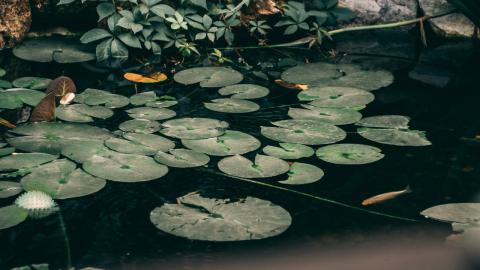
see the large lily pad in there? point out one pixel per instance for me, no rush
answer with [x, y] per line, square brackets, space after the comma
[454, 212]
[264, 166]
[182, 158]
[60, 50]
[194, 128]
[80, 151]
[24, 160]
[11, 216]
[150, 113]
[155, 142]
[244, 91]
[368, 80]
[309, 132]
[199, 218]
[349, 154]
[16, 97]
[9, 189]
[35, 83]
[124, 167]
[231, 105]
[140, 126]
[289, 151]
[81, 113]
[100, 97]
[302, 174]
[385, 121]
[6, 151]
[311, 73]
[336, 97]
[231, 143]
[335, 116]
[62, 180]
[209, 76]
[129, 147]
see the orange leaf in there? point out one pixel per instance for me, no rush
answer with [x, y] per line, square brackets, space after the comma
[288, 85]
[152, 78]
[6, 123]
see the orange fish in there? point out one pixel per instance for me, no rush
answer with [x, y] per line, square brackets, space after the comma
[151, 78]
[288, 85]
[386, 196]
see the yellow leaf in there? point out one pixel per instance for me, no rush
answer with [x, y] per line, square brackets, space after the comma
[152, 78]
[288, 85]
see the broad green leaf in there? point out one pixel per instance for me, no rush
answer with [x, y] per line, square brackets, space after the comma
[349, 154]
[264, 166]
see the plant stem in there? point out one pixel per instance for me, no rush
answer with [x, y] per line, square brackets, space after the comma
[66, 239]
[315, 197]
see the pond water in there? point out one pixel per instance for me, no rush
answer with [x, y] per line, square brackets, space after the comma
[111, 228]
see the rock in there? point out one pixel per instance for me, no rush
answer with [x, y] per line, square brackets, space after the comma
[451, 26]
[15, 20]
[381, 11]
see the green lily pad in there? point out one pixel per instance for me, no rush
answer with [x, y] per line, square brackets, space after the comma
[61, 50]
[9, 189]
[150, 99]
[81, 113]
[16, 97]
[194, 128]
[349, 154]
[140, 126]
[289, 151]
[35, 83]
[62, 180]
[6, 151]
[385, 121]
[264, 166]
[150, 113]
[368, 80]
[302, 174]
[100, 97]
[231, 143]
[155, 142]
[129, 147]
[336, 97]
[207, 219]
[182, 158]
[124, 167]
[230, 105]
[80, 151]
[24, 160]
[244, 91]
[209, 76]
[5, 84]
[11, 216]
[454, 212]
[311, 73]
[308, 132]
[334, 116]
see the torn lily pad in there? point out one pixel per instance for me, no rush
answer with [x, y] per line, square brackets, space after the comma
[230, 105]
[231, 143]
[155, 142]
[150, 113]
[11, 216]
[336, 97]
[24, 160]
[454, 212]
[391, 129]
[194, 128]
[62, 180]
[289, 151]
[311, 73]
[100, 97]
[182, 158]
[302, 174]
[264, 166]
[140, 126]
[334, 116]
[244, 91]
[34, 83]
[81, 113]
[9, 189]
[209, 76]
[349, 154]
[308, 132]
[16, 97]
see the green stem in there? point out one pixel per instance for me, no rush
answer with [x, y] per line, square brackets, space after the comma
[315, 197]
[66, 239]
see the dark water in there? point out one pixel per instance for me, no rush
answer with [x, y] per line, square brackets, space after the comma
[111, 228]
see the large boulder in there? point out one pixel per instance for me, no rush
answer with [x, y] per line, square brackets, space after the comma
[381, 11]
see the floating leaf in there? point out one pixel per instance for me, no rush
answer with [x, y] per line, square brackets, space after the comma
[385, 121]
[264, 166]
[337, 97]
[311, 73]
[61, 180]
[6, 151]
[140, 126]
[182, 158]
[349, 154]
[16, 97]
[129, 147]
[302, 174]
[80, 151]
[143, 98]
[244, 91]
[289, 151]
[155, 77]
[282, 83]
[454, 212]
[231, 143]
[150, 113]
[11, 216]
[365, 79]
[9, 189]
[309, 132]
[209, 76]
[230, 105]
[100, 97]
[24, 160]
[334, 116]
[155, 142]
[81, 113]
[194, 128]
[35, 83]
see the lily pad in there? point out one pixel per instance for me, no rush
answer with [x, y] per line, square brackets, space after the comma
[230, 105]
[308, 132]
[81, 113]
[9, 189]
[244, 91]
[100, 97]
[311, 73]
[150, 99]
[5, 84]
[264, 166]
[62, 180]
[182, 158]
[124, 167]
[11, 216]
[385, 121]
[289, 151]
[302, 174]
[24, 160]
[194, 128]
[16, 97]
[158, 143]
[60, 50]
[150, 113]
[365, 79]
[35, 83]
[231, 143]
[336, 97]
[6, 151]
[140, 126]
[349, 154]
[335, 116]
[129, 147]
[198, 218]
[80, 151]
[209, 76]
[454, 212]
